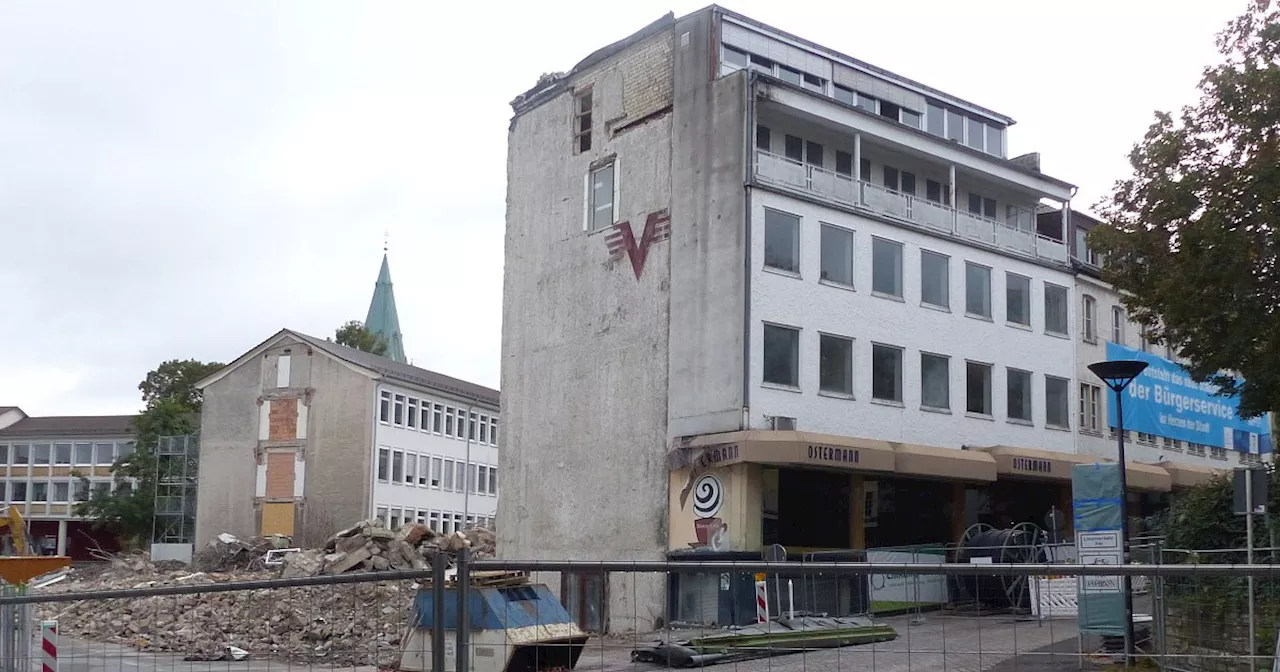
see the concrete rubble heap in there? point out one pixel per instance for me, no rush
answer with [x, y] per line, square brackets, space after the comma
[346, 624]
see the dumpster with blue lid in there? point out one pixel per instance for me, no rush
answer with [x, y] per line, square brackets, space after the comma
[521, 628]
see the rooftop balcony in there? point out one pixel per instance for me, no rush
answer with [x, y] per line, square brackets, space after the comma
[1016, 235]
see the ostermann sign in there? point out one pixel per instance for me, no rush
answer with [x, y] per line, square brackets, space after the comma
[1165, 401]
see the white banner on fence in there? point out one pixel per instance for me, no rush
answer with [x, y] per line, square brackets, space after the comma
[890, 591]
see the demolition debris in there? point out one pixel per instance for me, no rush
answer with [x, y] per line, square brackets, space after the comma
[347, 624]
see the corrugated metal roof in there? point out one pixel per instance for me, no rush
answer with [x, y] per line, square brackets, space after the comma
[403, 372]
[70, 426]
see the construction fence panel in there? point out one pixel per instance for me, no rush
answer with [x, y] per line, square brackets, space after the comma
[496, 616]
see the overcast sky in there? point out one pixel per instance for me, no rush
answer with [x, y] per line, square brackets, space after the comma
[181, 180]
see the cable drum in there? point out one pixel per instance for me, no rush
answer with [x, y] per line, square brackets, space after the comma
[1021, 544]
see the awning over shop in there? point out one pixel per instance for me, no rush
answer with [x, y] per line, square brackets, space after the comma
[949, 463]
[1050, 465]
[1188, 475]
[785, 448]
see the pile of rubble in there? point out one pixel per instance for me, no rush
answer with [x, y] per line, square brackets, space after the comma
[369, 546]
[349, 624]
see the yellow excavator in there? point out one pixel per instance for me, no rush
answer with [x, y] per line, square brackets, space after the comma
[19, 564]
[15, 532]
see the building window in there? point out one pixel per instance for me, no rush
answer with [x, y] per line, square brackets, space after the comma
[844, 164]
[484, 428]
[62, 454]
[937, 192]
[410, 469]
[461, 423]
[886, 267]
[1144, 437]
[886, 373]
[436, 465]
[764, 139]
[601, 207]
[731, 56]
[81, 491]
[493, 481]
[835, 365]
[436, 426]
[845, 95]
[981, 206]
[976, 134]
[1089, 319]
[935, 381]
[459, 475]
[935, 279]
[1018, 299]
[471, 478]
[493, 431]
[977, 290]
[384, 407]
[582, 122]
[397, 466]
[793, 147]
[39, 492]
[413, 413]
[41, 454]
[61, 492]
[1143, 341]
[1055, 309]
[433, 521]
[424, 470]
[1117, 325]
[471, 428]
[22, 453]
[1090, 396]
[397, 413]
[482, 480]
[781, 241]
[837, 255]
[1019, 394]
[125, 449]
[1057, 402]
[448, 475]
[977, 388]
[781, 355]
[17, 491]
[84, 454]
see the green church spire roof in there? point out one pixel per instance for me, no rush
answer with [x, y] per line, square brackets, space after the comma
[383, 319]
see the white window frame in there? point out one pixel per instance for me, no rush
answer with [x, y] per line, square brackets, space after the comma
[410, 468]
[75, 453]
[1117, 324]
[397, 478]
[1066, 382]
[1090, 408]
[384, 407]
[384, 458]
[446, 480]
[437, 419]
[1089, 318]
[398, 411]
[437, 467]
[493, 430]
[589, 207]
[411, 413]
[424, 470]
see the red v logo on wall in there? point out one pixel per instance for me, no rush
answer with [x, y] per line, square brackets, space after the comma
[657, 227]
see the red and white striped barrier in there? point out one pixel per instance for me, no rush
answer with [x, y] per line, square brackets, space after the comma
[49, 645]
[762, 602]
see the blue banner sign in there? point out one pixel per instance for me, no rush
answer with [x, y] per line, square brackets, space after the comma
[1165, 401]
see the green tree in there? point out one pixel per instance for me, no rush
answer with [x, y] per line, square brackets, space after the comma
[172, 408]
[1191, 235]
[355, 335]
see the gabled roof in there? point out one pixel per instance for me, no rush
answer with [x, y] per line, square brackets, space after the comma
[383, 319]
[375, 366]
[70, 426]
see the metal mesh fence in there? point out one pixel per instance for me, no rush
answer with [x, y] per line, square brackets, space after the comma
[613, 616]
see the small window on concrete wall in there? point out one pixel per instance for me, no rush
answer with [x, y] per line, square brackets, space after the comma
[582, 122]
[601, 197]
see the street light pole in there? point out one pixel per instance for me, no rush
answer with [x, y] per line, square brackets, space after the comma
[1117, 374]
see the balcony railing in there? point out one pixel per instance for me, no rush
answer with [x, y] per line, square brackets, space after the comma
[917, 211]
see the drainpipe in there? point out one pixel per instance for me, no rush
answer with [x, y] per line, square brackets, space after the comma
[466, 491]
[749, 104]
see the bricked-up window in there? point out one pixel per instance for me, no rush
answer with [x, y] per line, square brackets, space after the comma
[601, 189]
[384, 408]
[781, 355]
[582, 122]
[384, 463]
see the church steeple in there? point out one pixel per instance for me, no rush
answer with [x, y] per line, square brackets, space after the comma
[383, 319]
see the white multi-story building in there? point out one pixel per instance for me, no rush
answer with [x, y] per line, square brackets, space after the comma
[758, 291]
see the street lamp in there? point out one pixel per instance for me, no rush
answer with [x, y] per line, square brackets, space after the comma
[1117, 374]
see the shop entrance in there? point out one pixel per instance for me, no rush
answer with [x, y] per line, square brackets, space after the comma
[806, 508]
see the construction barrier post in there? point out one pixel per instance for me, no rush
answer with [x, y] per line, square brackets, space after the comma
[462, 657]
[762, 602]
[49, 645]
[439, 567]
